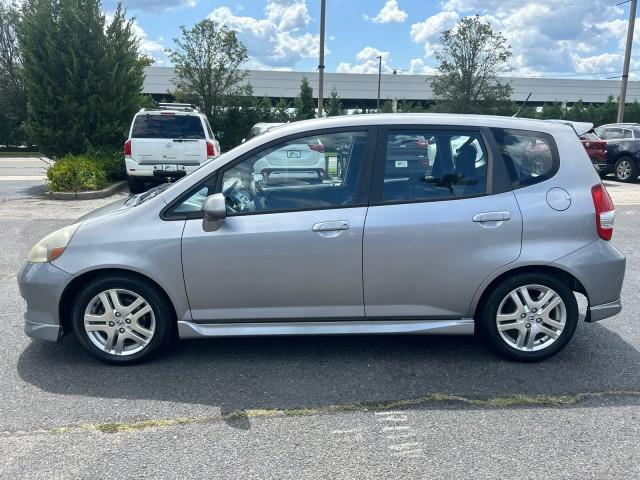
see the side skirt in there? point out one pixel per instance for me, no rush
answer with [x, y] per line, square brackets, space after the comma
[430, 327]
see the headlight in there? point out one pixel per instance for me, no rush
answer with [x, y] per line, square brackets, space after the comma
[52, 246]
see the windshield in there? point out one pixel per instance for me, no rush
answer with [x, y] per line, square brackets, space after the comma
[167, 126]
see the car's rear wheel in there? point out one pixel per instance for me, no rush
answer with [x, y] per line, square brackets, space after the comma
[625, 170]
[121, 319]
[529, 317]
[135, 185]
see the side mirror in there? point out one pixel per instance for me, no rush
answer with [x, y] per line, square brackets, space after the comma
[214, 210]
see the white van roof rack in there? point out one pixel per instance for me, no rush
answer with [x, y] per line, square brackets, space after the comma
[179, 107]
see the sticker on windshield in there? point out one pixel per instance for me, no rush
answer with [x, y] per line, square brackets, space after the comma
[401, 164]
[293, 153]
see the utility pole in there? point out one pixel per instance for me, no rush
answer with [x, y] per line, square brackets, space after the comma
[379, 78]
[627, 59]
[323, 5]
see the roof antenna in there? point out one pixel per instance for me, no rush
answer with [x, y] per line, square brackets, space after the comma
[523, 104]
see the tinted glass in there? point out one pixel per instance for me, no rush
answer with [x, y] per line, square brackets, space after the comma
[590, 136]
[627, 134]
[530, 157]
[612, 133]
[424, 165]
[167, 126]
[320, 171]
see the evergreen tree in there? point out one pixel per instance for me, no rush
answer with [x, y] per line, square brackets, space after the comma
[387, 106]
[304, 105]
[334, 105]
[83, 78]
[281, 113]
[265, 110]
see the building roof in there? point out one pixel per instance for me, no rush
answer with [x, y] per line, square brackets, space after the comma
[352, 86]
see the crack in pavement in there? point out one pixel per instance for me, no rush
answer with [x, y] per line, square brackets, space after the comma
[437, 398]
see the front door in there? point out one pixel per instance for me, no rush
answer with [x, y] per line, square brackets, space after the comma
[432, 237]
[291, 245]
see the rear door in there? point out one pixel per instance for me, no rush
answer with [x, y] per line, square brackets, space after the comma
[168, 138]
[430, 240]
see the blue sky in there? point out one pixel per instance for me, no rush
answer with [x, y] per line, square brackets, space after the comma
[548, 37]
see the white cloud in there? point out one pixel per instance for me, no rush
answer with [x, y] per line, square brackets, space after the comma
[367, 62]
[390, 13]
[274, 41]
[546, 39]
[419, 68]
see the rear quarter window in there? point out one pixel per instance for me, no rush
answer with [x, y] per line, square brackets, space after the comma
[530, 157]
[167, 126]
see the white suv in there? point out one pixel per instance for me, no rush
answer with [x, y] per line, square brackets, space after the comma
[167, 143]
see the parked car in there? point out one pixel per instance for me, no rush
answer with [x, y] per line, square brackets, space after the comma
[596, 147]
[623, 150]
[481, 245]
[167, 143]
[260, 128]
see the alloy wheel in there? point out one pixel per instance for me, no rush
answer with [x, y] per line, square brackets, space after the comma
[623, 169]
[119, 322]
[531, 318]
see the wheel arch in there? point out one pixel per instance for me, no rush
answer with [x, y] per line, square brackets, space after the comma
[71, 291]
[567, 278]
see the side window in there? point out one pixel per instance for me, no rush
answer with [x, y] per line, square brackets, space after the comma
[428, 165]
[209, 131]
[627, 133]
[530, 157]
[613, 133]
[314, 172]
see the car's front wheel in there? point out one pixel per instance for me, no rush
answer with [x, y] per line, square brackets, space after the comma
[529, 317]
[625, 170]
[121, 319]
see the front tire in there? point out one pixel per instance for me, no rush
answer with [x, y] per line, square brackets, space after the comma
[122, 319]
[529, 317]
[626, 170]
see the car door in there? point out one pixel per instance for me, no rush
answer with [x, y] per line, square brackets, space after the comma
[431, 240]
[290, 249]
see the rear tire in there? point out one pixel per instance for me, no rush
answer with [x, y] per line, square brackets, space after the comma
[135, 185]
[626, 170]
[538, 317]
[122, 319]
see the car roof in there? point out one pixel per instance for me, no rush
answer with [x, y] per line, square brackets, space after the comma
[400, 119]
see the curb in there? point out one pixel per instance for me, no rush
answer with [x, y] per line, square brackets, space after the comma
[105, 192]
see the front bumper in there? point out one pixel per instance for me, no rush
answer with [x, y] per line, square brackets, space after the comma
[41, 285]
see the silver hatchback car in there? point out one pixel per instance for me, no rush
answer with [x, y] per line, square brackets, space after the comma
[495, 235]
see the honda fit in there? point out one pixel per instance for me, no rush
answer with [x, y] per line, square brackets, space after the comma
[507, 222]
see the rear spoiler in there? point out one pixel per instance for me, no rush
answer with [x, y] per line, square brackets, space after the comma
[579, 127]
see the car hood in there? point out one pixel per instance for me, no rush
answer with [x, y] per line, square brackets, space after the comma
[110, 208]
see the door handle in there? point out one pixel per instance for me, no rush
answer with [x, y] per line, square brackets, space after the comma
[491, 217]
[330, 226]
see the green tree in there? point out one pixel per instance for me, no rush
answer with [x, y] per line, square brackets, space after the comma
[552, 110]
[304, 105]
[471, 56]
[83, 77]
[236, 121]
[13, 104]
[334, 105]
[207, 61]
[387, 106]
[281, 113]
[265, 110]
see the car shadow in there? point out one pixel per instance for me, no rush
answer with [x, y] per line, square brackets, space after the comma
[302, 372]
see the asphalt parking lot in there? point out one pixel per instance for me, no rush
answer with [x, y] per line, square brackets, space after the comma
[324, 407]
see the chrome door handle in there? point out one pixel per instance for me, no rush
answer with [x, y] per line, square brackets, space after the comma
[492, 217]
[330, 226]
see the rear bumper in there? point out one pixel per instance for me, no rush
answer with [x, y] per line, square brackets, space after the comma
[135, 169]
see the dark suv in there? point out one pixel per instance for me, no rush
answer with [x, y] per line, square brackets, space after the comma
[623, 150]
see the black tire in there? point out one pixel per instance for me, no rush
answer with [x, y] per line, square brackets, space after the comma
[632, 176]
[165, 324]
[488, 327]
[135, 185]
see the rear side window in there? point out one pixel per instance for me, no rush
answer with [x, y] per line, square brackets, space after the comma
[530, 157]
[424, 165]
[167, 126]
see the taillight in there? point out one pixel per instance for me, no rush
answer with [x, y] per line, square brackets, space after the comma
[127, 148]
[211, 150]
[318, 147]
[605, 211]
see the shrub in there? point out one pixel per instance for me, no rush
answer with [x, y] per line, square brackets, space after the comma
[75, 173]
[112, 162]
